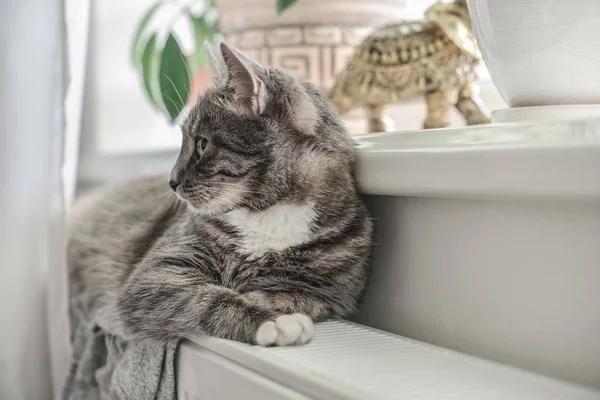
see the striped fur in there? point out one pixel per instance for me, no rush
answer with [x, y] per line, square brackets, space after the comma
[264, 234]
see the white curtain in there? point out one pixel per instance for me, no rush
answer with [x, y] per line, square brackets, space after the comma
[36, 181]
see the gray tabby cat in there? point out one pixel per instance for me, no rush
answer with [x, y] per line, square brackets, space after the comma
[262, 234]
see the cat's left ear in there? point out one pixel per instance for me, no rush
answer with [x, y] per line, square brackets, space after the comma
[244, 76]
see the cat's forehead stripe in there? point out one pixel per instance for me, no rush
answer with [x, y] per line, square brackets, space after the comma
[190, 126]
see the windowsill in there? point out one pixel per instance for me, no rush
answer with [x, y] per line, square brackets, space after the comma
[515, 160]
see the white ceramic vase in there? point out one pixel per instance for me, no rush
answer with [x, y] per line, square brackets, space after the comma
[313, 39]
[541, 52]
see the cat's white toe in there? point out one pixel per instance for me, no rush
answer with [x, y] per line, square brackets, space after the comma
[286, 330]
[308, 328]
[266, 334]
[289, 328]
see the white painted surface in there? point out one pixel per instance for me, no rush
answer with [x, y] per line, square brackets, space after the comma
[346, 361]
[510, 281]
[487, 242]
[202, 374]
[543, 160]
[541, 52]
[546, 113]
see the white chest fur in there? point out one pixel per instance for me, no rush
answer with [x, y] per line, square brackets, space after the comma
[274, 229]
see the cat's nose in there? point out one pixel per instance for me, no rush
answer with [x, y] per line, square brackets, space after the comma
[174, 184]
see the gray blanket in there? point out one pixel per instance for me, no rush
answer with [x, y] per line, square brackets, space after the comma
[105, 367]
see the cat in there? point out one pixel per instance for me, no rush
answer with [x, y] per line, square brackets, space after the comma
[261, 234]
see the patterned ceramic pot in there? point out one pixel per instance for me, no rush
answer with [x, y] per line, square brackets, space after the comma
[542, 52]
[313, 39]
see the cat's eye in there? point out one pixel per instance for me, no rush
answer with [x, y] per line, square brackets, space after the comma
[203, 143]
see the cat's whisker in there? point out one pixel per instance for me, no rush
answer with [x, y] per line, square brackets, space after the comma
[260, 184]
[173, 101]
[245, 186]
[241, 189]
[187, 69]
[166, 262]
[236, 197]
[165, 195]
[232, 195]
[176, 91]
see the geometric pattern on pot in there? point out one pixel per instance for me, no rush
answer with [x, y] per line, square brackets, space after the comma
[311, 52]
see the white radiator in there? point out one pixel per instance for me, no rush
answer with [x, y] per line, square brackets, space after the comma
[351, 361]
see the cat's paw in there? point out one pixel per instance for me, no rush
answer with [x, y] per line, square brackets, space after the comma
[286, 330]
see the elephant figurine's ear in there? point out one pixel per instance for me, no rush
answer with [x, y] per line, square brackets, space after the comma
[454, 20]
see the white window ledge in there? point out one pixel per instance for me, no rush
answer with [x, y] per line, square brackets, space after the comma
[551, 159]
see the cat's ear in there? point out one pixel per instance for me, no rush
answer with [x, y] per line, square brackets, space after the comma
[301, 110]
[215, 64]
[243, 75]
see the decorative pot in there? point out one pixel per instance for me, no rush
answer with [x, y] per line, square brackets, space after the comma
[313, 39]
[199, 81]
[543, 52]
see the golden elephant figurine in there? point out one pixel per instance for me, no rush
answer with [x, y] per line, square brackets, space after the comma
[435, 57]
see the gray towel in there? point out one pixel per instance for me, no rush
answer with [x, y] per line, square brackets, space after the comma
[106, 367]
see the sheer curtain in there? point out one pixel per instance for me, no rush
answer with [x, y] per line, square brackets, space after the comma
[33, 192]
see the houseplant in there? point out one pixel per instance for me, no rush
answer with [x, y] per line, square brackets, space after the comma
[172, 78]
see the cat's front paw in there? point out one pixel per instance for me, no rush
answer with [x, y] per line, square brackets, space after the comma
[286, 330]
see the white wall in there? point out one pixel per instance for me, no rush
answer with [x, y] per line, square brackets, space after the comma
[506, 280]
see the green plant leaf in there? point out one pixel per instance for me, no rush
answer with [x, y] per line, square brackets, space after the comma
[174, 78]
[199, 35]
[150, 64]
[283, 5]
[136, 45]
[203, 30]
